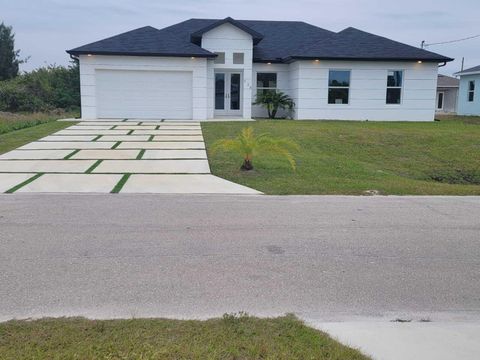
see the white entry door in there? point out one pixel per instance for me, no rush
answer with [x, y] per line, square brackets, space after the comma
[228, 93]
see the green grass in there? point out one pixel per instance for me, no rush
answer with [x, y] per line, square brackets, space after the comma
[347, 157]
[16, 121]
[14, 139]
[232, 337]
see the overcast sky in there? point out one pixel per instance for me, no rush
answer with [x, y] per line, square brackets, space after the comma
[46, 28]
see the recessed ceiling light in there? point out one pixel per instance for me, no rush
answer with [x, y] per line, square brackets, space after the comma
[419, 61]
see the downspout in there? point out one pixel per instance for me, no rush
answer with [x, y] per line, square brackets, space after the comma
[73, 57]
[441, 65]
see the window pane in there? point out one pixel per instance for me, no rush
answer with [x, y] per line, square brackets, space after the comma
[235, 92]
[471, 85]
[470, 96]
[394, 96]
[394, 78]
[337, 96]
[219, 91]
[238, 58]
[268, 80]
[440, 101]
[220, 59]
[339, 78]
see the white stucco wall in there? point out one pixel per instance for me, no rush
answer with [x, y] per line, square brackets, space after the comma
[229, 39]
[89, 64]
[283, 84]
[309, 87]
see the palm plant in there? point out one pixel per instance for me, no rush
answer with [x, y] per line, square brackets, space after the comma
[274, 100]
[249, 146]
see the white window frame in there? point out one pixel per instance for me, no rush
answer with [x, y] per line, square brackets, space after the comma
[395, 87]
[471, 91]
[339, 87]
[266, 88]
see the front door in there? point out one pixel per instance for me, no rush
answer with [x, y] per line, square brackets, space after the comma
[228, 93]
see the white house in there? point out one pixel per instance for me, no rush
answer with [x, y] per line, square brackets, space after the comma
[205, 69]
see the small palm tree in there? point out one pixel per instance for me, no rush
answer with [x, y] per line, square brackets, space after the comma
[274, 100]
[249, 145]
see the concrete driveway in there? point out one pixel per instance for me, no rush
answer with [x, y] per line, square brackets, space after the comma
[115, 156]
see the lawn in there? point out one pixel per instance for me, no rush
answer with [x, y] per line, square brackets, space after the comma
[19, 129]
[231, 337]
[349, 157]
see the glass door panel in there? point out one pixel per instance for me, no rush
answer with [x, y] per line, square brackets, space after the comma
[234, 91]
[219, 91]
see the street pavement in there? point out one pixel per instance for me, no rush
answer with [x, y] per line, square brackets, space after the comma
[329, 259]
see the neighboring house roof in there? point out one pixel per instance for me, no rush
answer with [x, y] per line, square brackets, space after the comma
[470, 71]
[274, 41]
[447, 81]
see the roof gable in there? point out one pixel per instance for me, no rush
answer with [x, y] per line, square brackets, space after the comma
[197, 35]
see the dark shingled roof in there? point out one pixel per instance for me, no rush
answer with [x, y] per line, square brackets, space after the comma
[447, 81]
[274, 41]
[474, 69]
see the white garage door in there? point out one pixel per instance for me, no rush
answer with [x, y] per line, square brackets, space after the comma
[144, 94]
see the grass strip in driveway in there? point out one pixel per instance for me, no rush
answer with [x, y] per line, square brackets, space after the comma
[231, 337]
[140, 154]
[120, 184]
[116, 144]
[28, 181]
[91, 168]
[97, 137]
[71, 154]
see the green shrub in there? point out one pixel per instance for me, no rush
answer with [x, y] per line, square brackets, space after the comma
[44, 89]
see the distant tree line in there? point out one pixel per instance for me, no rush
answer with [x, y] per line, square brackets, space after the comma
[44, 89]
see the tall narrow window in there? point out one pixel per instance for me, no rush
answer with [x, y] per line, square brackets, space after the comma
[471, 90]
[338, 86]
[394, 86]
[266, 82]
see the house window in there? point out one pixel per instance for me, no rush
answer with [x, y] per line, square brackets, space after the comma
[220, 59]
[338, 86]
[237, 58]
[394, 86]
[471, 90]
[266, 82]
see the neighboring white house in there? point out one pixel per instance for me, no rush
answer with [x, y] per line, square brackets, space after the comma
[447, 95]
[205, 69]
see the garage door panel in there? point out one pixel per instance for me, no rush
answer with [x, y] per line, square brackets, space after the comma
[144, 94]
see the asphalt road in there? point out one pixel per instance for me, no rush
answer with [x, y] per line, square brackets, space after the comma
[324, 258]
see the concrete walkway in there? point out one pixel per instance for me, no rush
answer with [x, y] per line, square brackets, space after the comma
[116, 156]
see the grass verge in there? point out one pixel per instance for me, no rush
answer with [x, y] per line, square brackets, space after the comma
[347, 157]
[232, 337]
[14, 139]
[17, 121]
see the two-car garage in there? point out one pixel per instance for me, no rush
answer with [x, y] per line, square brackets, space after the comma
[143, 94]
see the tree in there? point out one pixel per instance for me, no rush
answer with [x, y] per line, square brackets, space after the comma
[248, 145]
[274, 100]
[9, 57]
